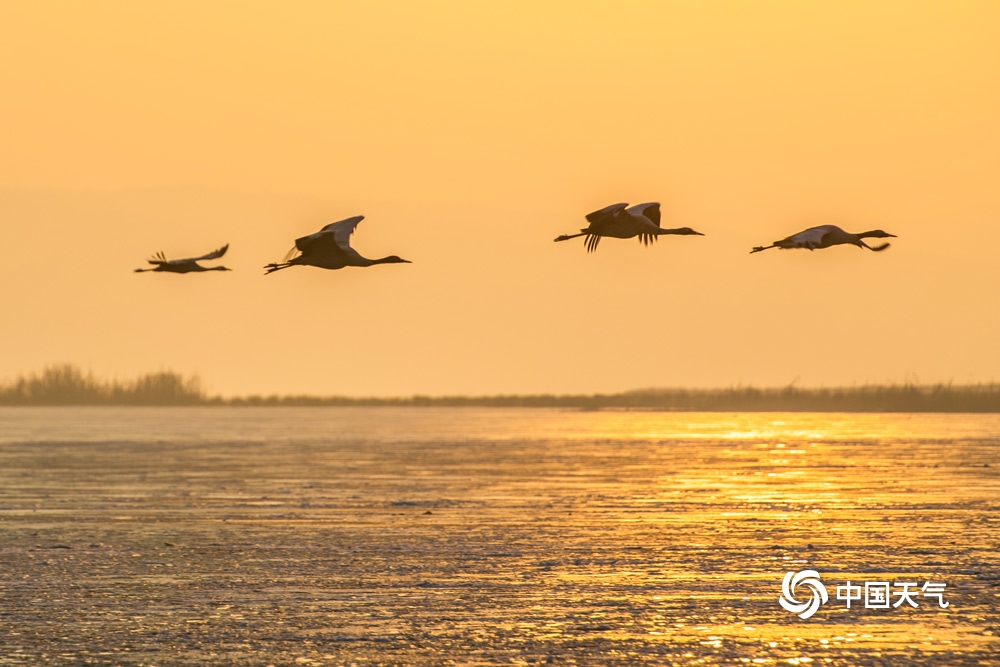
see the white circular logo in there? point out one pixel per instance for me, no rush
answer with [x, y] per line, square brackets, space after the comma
[808, 578]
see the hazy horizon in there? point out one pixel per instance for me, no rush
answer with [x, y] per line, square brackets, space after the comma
[470, 136]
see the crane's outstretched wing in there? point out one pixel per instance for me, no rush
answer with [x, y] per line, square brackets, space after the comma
[649, 210]
[159, 258]
[321, 245]
[606, 213]
[333, 238]
[340, 230]
[343, 229]
[814, 237]
[215, 254]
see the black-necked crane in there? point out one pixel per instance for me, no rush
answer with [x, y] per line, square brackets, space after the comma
[330, 248]
[825, 236]
[622, 221]
[186, 265]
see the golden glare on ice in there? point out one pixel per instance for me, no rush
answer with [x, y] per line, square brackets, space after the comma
[485, 536]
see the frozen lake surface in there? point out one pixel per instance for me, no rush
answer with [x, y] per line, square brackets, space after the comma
[328, 536]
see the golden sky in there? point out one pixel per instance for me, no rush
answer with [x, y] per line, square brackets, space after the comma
[471, 134]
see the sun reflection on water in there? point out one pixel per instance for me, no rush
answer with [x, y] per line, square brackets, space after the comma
[506, 536]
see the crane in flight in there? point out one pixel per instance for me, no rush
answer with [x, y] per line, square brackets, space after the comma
[186, 265]
[330, 248]
[622, 221]
[825, 236]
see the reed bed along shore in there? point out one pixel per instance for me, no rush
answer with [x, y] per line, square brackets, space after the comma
[66, 385]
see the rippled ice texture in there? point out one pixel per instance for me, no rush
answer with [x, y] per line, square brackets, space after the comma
[490, 536]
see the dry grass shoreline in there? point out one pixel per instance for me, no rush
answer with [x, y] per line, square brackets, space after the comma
[67, 385]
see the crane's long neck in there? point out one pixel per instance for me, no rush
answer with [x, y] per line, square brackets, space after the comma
[868, 235]
[872, 234]
[566, 237]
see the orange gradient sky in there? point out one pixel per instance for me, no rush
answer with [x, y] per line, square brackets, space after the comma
[471, 134]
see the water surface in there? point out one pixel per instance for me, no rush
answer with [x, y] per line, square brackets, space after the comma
[490, 536]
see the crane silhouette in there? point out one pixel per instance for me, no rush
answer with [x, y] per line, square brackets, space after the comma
[621, 221]
[330, 248]
[186, 265]
[825, 236]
